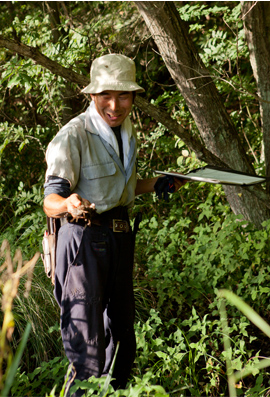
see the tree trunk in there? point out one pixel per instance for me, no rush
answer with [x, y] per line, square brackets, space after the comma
[256, 16]
[192, 79]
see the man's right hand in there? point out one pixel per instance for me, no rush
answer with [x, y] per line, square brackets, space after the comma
[79, 207]
[76, 201]
[56, 206]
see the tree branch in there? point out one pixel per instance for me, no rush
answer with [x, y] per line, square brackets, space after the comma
[34, 54]
[175, 128]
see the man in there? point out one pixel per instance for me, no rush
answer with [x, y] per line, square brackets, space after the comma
[92, 169]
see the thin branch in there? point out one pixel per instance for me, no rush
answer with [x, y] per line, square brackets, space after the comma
[253, 5]
[213, 77]
[242, 91]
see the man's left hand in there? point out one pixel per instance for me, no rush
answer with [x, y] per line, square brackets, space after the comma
[167, 184]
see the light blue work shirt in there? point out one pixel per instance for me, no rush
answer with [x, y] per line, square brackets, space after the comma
[91, 165]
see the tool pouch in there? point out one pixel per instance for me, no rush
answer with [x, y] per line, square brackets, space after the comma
[49, 243]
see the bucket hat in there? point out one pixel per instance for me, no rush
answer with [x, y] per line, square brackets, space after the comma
[112, 72]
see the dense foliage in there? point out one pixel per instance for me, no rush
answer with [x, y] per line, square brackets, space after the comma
[187, 248]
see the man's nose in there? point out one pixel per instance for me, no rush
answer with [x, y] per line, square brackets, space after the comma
[114, 104]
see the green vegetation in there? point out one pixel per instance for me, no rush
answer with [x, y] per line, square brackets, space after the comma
[187, 250]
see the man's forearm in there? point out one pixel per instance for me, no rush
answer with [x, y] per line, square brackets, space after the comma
[145, 186]
[55, 206]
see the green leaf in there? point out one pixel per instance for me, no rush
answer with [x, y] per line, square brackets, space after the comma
[15, 80]
[16, 361]
[246, 310]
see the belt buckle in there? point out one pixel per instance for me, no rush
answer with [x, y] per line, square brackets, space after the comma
[120, 226]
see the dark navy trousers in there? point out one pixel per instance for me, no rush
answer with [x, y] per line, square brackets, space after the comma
[94, 289]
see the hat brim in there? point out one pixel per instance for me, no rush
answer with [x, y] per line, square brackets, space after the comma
[97, 88]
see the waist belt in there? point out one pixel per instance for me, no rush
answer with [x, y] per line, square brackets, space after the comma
[117, 225]
[104, 219]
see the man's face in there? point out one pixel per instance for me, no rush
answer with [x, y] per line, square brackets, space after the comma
[113, 106]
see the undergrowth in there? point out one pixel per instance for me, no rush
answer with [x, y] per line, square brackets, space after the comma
[178, 271]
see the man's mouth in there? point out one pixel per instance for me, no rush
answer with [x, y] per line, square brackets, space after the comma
[113, 117]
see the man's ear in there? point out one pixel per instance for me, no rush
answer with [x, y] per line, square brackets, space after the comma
[92, 97]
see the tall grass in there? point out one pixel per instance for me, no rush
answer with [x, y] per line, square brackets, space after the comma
[12, 270]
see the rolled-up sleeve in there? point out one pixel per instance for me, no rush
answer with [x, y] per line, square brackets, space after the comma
[56, 185]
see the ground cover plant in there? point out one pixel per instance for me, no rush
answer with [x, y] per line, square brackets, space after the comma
[178, 271]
